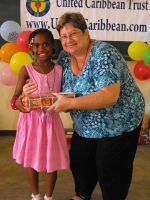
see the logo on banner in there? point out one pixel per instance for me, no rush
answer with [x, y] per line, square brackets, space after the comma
[38, 8]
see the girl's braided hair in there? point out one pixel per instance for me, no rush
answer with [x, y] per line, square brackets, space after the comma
[40, 30]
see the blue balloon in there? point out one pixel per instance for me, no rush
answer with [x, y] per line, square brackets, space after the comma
[148, 39]
[10, 30]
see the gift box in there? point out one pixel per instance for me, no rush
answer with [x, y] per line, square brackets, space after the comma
[141, 140]
[36, 102]
[68, 138]
[144, 126]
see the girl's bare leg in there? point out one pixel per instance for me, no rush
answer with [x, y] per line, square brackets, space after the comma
[33, 177]
[50, 183]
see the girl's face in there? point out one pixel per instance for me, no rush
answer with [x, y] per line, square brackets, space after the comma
[73, 39]
[42, 46]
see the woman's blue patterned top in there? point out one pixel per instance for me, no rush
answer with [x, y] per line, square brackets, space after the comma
[105, 66]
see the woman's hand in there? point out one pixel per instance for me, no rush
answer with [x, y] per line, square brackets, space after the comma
[62, 104]
[103, 98]
[19, 105]
[29, 88]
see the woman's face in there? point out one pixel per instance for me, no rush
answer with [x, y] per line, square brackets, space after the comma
[73, 40]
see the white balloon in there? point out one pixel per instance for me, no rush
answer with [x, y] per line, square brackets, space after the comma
[148, 39]
[10, 30]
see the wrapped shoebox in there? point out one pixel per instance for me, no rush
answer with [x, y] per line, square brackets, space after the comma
[36, 102]
[68, 138]
[144, 126]
[144, 137]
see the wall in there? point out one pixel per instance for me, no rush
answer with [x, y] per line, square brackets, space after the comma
[8, 117]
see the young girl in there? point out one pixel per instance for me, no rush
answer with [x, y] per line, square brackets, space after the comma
[40, 143]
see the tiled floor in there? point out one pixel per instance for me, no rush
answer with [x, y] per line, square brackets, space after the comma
[14, 183]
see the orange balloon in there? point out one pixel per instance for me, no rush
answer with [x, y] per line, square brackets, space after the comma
[8, 50]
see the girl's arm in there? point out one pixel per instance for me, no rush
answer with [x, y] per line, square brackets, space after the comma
[23, 76]
[16, 100]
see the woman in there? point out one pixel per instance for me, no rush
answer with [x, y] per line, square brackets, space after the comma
[107, 111]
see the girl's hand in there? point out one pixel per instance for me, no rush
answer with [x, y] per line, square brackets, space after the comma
[29, 88]
[62, 104]
[20, 106]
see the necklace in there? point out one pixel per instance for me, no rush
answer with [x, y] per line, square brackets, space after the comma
[50, 88]
[83, 61]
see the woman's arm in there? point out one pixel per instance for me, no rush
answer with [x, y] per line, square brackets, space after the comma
[103, 98]
[29, 88]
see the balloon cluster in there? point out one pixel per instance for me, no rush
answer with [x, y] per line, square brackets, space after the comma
[140, 52]
[15, 53]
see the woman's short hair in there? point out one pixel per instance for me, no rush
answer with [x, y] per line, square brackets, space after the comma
[75, 18]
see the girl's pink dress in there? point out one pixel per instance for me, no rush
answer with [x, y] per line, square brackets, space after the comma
[40, 139]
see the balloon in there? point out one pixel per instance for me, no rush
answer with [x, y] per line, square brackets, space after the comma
[22, 40]
[8, 50]
[147, 58]
[7, 76]
[148, 39]
[31, 54]
[137, 49]
[10, 31]
[18, 60]
[141, 71]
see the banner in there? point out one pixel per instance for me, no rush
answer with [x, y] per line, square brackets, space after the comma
[106, 20]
